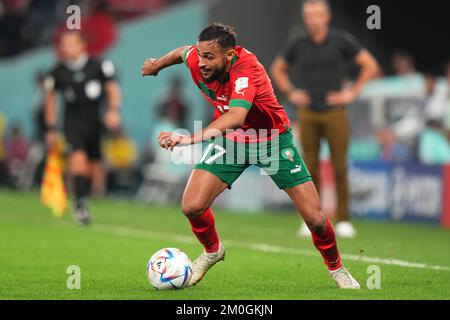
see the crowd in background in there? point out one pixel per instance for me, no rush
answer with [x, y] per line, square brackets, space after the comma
[27, 24]
[420, 135]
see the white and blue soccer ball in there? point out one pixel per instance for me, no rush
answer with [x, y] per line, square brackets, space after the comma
[169, 268]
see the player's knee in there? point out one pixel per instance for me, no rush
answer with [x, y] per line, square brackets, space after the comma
[315, 220]
[193, 208]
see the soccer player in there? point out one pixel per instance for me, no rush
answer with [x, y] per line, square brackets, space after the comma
[237, 85]
[84, 83]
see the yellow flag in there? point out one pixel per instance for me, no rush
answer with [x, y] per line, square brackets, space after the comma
[53, 191]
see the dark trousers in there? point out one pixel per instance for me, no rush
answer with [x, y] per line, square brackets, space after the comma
[333, 125]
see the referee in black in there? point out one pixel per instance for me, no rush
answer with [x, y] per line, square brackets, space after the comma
[86, 85]
[310, 72]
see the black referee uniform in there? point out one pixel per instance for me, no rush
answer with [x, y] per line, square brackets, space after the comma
[82, 87]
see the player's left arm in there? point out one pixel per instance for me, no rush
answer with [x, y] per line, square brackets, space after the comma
[241, 100]
[113, 95]
[230, 120]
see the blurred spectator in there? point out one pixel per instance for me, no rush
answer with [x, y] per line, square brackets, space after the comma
[432, 106]
[433, 148]
[447, 102]
[403, 63]
[436, 95]
[135, 8]
[391, 149]
[2, 131]
[173, 106]
[25, 24]
[13, 38]
[98, 27]
[101, 28]
[3, 169]
[120, 155]
[164, 179]
[36, 156]
[16, 149]
[38, 108]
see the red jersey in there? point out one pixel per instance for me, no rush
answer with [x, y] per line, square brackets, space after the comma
[249, 87]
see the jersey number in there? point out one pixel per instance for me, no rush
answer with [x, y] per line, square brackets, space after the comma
[222, 109]
[220, 152]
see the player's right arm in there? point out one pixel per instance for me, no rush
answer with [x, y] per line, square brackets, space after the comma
[152, 66]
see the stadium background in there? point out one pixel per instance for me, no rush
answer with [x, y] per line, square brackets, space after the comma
[380, 105]
[403, 188]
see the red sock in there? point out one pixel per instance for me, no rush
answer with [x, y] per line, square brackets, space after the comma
[205, 229]
[326, 244]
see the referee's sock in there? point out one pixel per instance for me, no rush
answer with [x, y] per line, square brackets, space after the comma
[81, 190]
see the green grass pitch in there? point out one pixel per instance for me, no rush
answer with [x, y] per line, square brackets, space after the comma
[265, 259]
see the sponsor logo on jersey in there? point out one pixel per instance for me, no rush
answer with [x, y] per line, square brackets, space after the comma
[298, 168]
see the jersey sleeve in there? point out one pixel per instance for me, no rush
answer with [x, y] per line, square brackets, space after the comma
[351, 46]
[243, 89]
[107, 71]
[51, 82]
[189, 56]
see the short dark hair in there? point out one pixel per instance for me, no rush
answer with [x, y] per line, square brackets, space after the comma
[219, 33]
[324, 2]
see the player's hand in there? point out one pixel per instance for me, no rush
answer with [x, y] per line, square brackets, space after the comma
[299, 98]
[112, 120]
[340, 98]
[51, 138]
[149, 68]
[169, 140]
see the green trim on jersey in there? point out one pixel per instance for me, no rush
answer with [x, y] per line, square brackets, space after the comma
[227, 76]
[184, 56]
[234, 60]
[207, 91]
[240, 103]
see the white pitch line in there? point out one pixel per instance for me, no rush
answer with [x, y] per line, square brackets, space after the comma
[262, 247]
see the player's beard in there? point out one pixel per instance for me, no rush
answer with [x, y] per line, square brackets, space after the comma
[216, 75]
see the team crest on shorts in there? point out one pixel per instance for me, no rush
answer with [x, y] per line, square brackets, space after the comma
[288, 154]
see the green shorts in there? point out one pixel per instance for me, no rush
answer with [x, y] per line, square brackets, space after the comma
[278, 158]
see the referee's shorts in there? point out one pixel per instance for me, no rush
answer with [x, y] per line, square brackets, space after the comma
[84, 137]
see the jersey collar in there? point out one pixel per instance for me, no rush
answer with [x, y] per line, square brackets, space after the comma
[77, 64]
[227, 77]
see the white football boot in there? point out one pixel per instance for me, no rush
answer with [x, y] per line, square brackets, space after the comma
[344, 229]
[204, 262]
[343, 279]
[303, 231]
